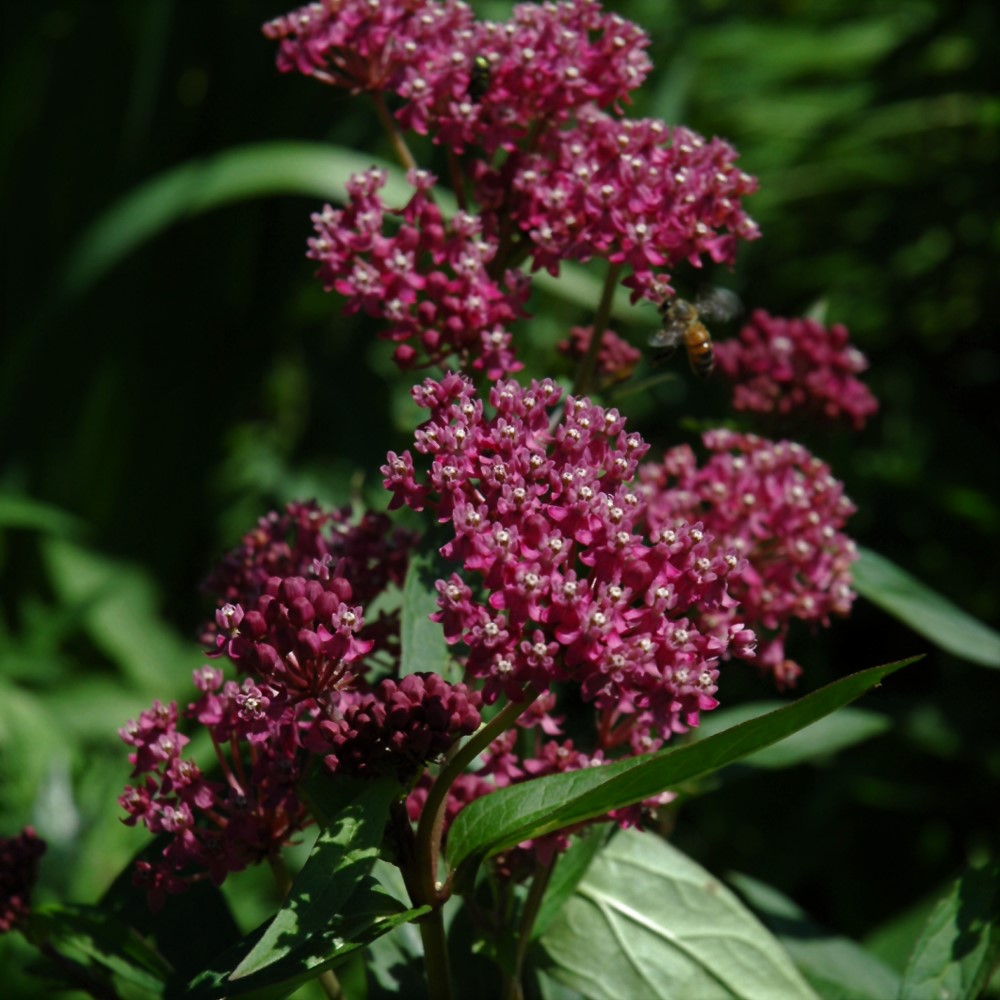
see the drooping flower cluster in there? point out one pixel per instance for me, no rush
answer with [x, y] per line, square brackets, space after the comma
[558, 581]
[298, 642]
[780, 508]
[429, 281]
[796, 367]
[19, 857]
[616, 358]
[533, 104]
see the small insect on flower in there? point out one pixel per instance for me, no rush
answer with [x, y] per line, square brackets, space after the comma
[479, 78]
[682, 324]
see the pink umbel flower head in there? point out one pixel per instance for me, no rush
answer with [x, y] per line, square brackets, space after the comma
[782, 511]
[796, 368]
[555, 579]
[429, 281]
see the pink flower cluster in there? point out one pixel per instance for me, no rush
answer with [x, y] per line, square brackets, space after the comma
[298, 640]
[558, 581]
[306, 541]
[557, 173]
[796, 367]
[429, 281]
[782, 511]
[632, 191]
[19, 857]
[543, 63]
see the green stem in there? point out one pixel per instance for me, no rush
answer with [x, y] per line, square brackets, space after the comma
[436, 955]
[529, 914]
[399, 146]
[429, 829]
[585, 373]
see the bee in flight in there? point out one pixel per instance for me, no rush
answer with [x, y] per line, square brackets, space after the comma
[682, 324]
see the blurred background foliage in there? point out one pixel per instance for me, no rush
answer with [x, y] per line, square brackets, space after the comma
[159, 393]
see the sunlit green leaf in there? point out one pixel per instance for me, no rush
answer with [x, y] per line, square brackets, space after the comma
[520, 812]
[647, 921]
[926, 612]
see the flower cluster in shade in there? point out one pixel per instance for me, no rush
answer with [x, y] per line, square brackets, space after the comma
[782, 511]
[616, 358]
[555, 578]
[290, 626]
[793, 368]
[428, 281]
[19, 858]
[534, 106]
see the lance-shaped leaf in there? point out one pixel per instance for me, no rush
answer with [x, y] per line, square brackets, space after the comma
[647, 921]
[925, 611]
[960, 943]
[498, 821]
[333, 907]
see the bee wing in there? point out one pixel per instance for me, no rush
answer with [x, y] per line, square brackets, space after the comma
[667, 338]
[718, 304]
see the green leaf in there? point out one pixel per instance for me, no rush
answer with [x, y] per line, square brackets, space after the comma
[570, 868]
[836, 967]
[334, 906]
[119, 609]
[827, 736]
[188, 930]
[647, 921]
[261, 170]
[960, 943]
[926, 612]
[422, 642]
[510, 815]
[102, 948]
[23, 512]
[267, 170]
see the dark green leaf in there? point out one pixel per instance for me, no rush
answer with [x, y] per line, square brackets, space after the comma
[343, 856]
[102, 947]
[925, 611]
[423, 644]
[334, 906]
[960, 943]
[520, 812]
[824, 737]
[647, 921]
[836, 967]
[188, 930]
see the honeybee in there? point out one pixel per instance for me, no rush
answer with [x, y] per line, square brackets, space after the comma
[682, 324]
[479, 78]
